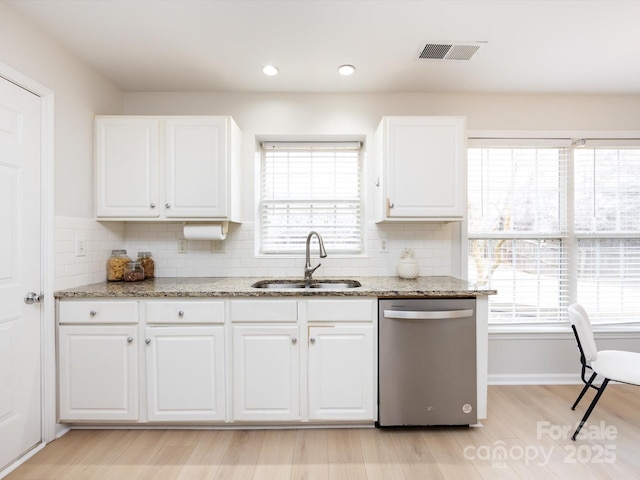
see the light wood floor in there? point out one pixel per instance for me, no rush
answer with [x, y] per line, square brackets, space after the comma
[523, 438]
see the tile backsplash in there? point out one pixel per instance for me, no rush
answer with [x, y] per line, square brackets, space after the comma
[431, 242]
[72, 270]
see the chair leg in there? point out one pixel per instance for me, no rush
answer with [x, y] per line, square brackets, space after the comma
[584, 390]
[590, 409]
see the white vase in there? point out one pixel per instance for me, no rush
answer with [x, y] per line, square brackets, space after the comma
[408, 268]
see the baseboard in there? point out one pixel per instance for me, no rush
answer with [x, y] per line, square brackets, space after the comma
[12, 466]
[534, 379]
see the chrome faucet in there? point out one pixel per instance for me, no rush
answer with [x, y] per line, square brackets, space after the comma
[308, 270]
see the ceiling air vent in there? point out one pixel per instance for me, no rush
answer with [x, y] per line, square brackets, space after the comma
[447, 51]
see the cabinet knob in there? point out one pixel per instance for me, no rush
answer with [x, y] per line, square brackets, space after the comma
[129, 339]
[181, 313]
[167, 205]
[312, 340]
[147, 341]
[93, 313]
[391, 205]
[152, 205]
[294, 340]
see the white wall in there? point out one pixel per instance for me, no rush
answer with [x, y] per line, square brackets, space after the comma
[513, 357]
[79, 93]
[298, 116]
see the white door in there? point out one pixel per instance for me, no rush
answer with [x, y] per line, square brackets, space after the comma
[196, 167]
[341, 373]
[20, 238]
[185, 373]
[266, 373]
[98, 369]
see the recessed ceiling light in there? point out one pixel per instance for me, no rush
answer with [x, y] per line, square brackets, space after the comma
[270, 70]
[346, 70]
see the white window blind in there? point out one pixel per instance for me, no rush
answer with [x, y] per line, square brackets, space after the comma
[310, 186]
[607, 228]
[517, 230]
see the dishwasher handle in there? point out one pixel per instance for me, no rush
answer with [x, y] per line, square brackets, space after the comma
[427, 315]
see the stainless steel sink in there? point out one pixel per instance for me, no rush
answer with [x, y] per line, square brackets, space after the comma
[324, 284]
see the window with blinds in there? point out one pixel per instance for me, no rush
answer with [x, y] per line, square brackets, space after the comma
[551, 225]
[607, 230]
[310, 186]
[517, 230]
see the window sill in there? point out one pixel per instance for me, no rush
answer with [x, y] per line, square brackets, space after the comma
[561, 328]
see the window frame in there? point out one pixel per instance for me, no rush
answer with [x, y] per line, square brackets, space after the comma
[350, 143]
[570, 140]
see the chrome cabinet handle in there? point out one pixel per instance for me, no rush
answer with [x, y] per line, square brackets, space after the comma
[129, 339]
[294, 340]
[152, 205]
[312, 340]
[147, 341]
[93, 313]
[167, 205]
[181, 313]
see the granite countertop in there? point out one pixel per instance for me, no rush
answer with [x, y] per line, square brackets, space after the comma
[241, 287]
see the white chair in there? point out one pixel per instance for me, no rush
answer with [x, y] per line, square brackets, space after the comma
[616, 365]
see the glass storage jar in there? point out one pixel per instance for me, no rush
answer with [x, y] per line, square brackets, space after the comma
[133, 271]
[115, 265]
[147, 263]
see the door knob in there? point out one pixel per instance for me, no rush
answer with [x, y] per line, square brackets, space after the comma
[33, 297]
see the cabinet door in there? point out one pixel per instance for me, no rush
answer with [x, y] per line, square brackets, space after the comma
[266, 373]
[98, 373]
[126, 167]
[196, 167]
[341, 373]
[185, 373]
[425, 167]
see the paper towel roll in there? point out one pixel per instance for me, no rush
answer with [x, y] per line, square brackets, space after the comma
[206, 231]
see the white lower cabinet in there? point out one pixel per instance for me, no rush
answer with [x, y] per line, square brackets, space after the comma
[341, 372]
[98, 372]
[185, 373]
[182, 353]
[246, 360]
[266, 372]
[324, 362]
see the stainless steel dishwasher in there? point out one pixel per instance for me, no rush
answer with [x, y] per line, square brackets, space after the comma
[427, 362]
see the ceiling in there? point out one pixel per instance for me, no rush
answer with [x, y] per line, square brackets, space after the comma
[542, 46]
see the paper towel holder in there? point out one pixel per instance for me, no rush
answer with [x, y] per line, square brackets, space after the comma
[206, 230]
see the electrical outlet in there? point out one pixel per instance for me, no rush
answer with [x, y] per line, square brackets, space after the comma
[217, 246]
[384, 245]
[183, 245]
[81, 247]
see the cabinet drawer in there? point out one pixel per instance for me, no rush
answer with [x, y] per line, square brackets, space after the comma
[186, 311]
[264, 311]
[341, 310]
[98, 312]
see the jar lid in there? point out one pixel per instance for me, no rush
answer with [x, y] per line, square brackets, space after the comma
[144, 254]
[118, 252]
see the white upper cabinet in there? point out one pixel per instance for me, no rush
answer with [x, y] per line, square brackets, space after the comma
[421, 164]
[168, 168]
[126, 151]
